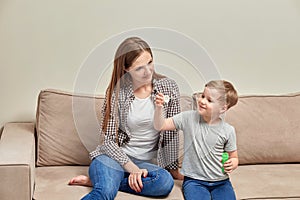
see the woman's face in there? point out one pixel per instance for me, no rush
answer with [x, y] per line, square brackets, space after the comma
[142, 68]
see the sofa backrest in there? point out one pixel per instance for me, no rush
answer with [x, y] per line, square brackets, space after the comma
[267, 128]
[59, 116]
[68, 127]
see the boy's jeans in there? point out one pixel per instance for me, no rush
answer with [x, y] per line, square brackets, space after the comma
[194, 189]
[108, 177]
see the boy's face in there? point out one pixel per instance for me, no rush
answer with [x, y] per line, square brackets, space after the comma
[209, 105]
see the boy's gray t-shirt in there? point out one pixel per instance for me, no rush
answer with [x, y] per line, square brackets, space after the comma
[204, 145]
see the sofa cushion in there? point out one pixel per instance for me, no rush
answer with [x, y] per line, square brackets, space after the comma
[267, 128]
[52, 183]
[67, 127]
[267, 181]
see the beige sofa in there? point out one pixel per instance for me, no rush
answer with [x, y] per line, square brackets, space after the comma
[38, 158]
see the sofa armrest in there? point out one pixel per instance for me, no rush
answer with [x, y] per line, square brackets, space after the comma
[17, 161]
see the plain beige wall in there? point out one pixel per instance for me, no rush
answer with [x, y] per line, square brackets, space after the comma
[254, 43]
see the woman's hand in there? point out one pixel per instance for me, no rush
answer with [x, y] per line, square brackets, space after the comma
[135, 179]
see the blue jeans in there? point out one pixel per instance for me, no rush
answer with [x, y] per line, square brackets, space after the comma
[194, 189]
[108, 177]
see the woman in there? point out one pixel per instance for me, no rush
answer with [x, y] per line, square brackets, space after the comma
[124, 161]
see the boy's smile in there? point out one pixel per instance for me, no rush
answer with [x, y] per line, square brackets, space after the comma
[209, 105]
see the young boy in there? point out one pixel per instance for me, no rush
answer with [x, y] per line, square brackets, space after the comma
[206, 137]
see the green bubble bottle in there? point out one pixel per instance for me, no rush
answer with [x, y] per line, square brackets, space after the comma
[225, 157]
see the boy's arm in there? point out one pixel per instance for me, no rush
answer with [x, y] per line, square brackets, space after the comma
[160, 123]
[232, 162]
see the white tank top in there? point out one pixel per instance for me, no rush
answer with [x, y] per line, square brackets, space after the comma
[144, 138]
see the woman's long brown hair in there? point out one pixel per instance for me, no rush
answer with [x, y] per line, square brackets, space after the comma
[128, 51]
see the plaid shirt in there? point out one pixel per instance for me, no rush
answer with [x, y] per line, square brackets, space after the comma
[168, 143]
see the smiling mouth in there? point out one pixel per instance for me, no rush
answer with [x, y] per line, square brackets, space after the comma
[201, 107]
[147, 77]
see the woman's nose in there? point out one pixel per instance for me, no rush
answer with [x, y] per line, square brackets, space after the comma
[147, 70]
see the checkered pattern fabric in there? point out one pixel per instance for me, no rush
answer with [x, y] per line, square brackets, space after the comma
[168, 141]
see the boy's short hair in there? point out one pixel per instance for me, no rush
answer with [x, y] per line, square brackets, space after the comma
[228, 93]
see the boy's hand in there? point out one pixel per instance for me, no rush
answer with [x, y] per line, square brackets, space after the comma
[230, 165]
[159, 100]
[160, 123]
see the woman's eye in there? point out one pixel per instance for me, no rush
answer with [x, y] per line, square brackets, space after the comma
[139, 68]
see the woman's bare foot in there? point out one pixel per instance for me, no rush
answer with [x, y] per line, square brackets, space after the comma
[81, 180]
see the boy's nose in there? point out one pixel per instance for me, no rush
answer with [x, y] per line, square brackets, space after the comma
[201, 100]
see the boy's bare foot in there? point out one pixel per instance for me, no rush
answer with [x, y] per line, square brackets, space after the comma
[81, 180]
